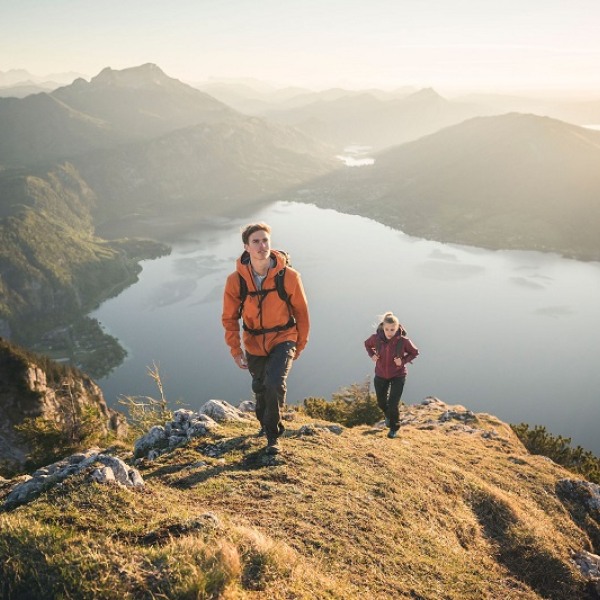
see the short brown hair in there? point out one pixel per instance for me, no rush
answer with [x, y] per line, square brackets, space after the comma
[250, 229]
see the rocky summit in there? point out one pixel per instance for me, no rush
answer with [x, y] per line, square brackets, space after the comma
[453, 508]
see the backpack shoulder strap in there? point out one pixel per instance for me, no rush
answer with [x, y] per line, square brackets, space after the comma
[399, 347]
[399, 341]
[243, 293]
[280, 287]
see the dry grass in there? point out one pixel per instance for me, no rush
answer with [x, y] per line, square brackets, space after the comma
[434, 514]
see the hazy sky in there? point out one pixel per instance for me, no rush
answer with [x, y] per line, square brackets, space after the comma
[507, 45]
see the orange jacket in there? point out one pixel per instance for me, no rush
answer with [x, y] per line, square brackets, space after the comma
[272, 313]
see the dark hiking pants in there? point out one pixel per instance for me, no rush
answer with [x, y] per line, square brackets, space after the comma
[269, 375]
[389, 392]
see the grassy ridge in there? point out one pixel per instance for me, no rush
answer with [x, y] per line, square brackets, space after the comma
[440, 512]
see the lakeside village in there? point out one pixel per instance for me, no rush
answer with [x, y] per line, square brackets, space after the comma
[84, 344]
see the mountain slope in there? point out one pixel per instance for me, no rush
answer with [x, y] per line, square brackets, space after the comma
[142, 101]
[371, 121]
[113, 108]
[51, 265]
[455, 508]
[42, 128]
[203, 169]
[513, 181]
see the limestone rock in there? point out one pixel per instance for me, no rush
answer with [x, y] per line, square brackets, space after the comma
[220, 410]
[111, 469]
[581, 491]
[156, 438]
[315, 429]
[589, 566]
[185, 425]
[247, 406]
[27, 391]
[103, 475]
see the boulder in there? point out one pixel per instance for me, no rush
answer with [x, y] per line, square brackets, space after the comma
[247, 406]
[157, 437]
[185, 425]
[589, 566]
[220, 410]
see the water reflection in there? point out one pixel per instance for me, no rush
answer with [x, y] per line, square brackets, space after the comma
[449, 272]
[525, 282]
[484, 321]
[555, 311]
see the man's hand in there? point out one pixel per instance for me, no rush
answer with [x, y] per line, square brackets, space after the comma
[240, 361]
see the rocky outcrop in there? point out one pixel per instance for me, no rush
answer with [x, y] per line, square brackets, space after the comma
[187, 425]
[184, 426]
[108, 469]
[32, 386]
[589, 567]
[220, 410]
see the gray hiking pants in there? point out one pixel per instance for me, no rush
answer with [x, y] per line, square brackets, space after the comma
[269, 374]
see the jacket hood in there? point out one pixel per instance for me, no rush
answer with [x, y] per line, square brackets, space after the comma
[244, 268]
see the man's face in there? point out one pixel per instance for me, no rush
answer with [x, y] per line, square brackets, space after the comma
[259, 245]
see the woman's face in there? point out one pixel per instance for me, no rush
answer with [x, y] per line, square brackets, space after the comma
[389, 330]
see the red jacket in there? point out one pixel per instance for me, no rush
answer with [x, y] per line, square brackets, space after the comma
[272, 313]
[385, 366]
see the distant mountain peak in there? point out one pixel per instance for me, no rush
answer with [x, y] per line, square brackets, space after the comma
[426, 94]
[143, 76]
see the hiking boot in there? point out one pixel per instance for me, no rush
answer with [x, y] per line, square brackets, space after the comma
[387, 422]
[392, 434]
[273, 447]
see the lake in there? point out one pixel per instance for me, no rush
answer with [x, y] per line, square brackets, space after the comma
[510, 333]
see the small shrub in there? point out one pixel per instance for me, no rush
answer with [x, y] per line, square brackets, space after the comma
[350, 406]
[578, 460]
[144, 411]
[50, 440]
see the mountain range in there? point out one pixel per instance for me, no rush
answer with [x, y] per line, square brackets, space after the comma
[127, 142]
[376, 122]
[511, 181]
[259, 99]
[119, 153]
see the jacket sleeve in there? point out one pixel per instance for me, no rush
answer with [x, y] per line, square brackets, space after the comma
[410, 351]
[371, 345]
[230, 316]
[300, 310]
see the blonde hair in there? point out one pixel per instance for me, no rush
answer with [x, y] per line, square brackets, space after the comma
[389, 317]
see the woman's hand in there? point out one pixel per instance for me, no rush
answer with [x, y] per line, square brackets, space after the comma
[375, 357]
[398, 362]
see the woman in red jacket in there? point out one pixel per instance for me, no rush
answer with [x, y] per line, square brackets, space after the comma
[391, 350]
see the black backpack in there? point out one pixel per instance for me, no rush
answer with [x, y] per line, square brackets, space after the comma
[279, 288]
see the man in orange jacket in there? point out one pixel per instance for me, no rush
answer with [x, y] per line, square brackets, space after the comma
[268, 296]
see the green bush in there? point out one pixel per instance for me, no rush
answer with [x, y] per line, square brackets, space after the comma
[540, 441]
[50, 440]
[350, 406]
